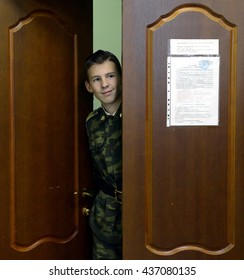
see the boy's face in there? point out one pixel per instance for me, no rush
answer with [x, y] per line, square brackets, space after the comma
[105, 83]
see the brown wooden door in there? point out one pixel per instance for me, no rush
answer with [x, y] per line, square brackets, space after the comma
[183, 185]
[43, 106]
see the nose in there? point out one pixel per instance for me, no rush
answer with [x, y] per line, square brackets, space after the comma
[104, 82]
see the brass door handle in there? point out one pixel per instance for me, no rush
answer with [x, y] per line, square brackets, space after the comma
[87, 196]
[87, 193]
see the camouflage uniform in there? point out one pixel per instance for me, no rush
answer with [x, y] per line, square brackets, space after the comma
[105, 143]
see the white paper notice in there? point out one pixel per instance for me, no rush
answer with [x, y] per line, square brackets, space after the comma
[194, 47]
[193, 91]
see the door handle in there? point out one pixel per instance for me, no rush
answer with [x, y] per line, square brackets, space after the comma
[87, 196]
[87, 193]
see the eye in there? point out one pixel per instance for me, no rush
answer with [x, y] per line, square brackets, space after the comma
[97, 79]
[112, 75]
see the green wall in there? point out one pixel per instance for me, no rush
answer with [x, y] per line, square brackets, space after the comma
[107, 28]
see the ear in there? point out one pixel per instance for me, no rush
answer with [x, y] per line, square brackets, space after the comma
[88, 87]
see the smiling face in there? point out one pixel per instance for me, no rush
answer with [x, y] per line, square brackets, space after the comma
[105, 83]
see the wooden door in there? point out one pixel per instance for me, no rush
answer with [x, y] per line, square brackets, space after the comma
[43, 150]
[183, 185]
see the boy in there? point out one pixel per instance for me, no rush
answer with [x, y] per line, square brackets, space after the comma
[104, 80]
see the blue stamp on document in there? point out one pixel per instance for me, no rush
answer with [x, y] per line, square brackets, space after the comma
[204, 64]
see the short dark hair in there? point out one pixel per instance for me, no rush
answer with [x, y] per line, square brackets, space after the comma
[99, 57]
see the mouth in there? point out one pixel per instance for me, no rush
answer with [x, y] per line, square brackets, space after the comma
[107, 92]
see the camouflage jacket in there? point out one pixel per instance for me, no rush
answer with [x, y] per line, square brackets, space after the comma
[105, 144]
